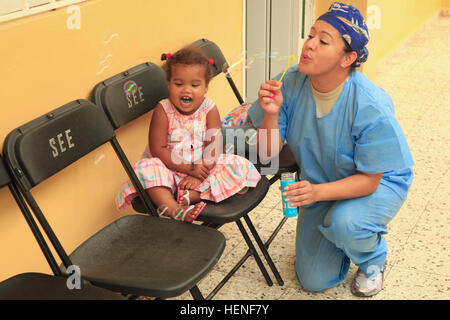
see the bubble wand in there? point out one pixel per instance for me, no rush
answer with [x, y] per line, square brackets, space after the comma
[292, 60]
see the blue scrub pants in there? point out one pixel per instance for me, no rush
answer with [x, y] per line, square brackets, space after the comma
[330, 234]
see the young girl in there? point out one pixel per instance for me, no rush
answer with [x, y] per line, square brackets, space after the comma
[185, 140]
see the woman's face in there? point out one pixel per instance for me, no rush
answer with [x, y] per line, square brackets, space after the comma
[323, 51]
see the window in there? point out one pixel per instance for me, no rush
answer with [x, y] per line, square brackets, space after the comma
[13, 9]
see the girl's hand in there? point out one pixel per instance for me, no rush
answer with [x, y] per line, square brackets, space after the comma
[209, 164]
[200, 171]
[189, 183]
[301, 193]
[270, 97]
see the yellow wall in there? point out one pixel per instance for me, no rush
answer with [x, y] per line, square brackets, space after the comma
[398, 20]
[323, 5]
[45, 65]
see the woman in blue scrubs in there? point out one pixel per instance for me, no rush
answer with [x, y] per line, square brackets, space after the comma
[355, 163]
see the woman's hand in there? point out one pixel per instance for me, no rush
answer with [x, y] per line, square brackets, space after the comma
[270, 97]
[358, 185]
[301, 193]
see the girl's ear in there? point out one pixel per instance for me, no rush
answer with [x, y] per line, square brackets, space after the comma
[348, 59]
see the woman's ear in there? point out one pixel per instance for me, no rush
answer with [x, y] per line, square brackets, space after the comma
[348, 59]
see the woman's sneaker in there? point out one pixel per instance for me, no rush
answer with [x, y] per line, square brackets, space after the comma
[364, 286]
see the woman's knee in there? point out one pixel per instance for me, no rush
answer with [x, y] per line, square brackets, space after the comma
[310, 280]
[323, 273]
[348, 231]
[338, 225]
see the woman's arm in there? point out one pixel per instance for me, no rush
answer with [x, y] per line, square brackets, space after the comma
[270, 100]
[358, 185]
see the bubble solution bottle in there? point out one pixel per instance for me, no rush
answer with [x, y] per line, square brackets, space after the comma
[287, 178]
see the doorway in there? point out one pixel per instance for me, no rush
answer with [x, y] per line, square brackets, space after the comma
[274, 30]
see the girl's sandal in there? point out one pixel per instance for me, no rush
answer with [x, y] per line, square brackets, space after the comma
[186, 196]
[183, 213]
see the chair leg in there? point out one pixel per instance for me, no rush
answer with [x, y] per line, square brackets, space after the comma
[242, 261]
[228, 276]
[254, 253]
[274, 178]
[263, 248]
[196, 294]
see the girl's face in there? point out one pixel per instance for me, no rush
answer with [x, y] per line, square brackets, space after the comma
[323, 51]
[187, 87]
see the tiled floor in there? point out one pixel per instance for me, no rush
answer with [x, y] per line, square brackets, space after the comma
[417, 76]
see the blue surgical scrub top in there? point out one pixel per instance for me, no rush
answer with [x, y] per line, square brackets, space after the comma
[360, 134]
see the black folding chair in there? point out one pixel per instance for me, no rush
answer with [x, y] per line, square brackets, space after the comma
[151, 87]
[139, 255]
[286, 160]
[40, 286]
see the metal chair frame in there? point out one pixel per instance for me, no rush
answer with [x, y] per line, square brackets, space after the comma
[29, 158]
[37, 286]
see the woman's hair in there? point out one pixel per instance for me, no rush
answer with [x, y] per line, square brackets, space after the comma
[348, 49]
[189, 56]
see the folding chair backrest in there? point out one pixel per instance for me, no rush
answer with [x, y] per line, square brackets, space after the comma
[212, 51]
[127, 96]
[48, 144]
[4, 176]
[132, 93]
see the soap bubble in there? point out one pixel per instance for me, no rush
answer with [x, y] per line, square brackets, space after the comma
[130, 87]
[163, 210]
[229, 148]
[251, 137]
[247, 61]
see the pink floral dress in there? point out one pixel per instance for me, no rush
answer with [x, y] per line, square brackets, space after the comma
[186, 136]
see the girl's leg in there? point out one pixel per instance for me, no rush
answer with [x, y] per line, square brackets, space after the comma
[162, 198]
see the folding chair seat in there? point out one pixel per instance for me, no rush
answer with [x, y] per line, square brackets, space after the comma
[139, 255]
[40, 286]
[152, 84]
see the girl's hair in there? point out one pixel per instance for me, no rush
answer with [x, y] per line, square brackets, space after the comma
[190, 56]
[348, 49]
